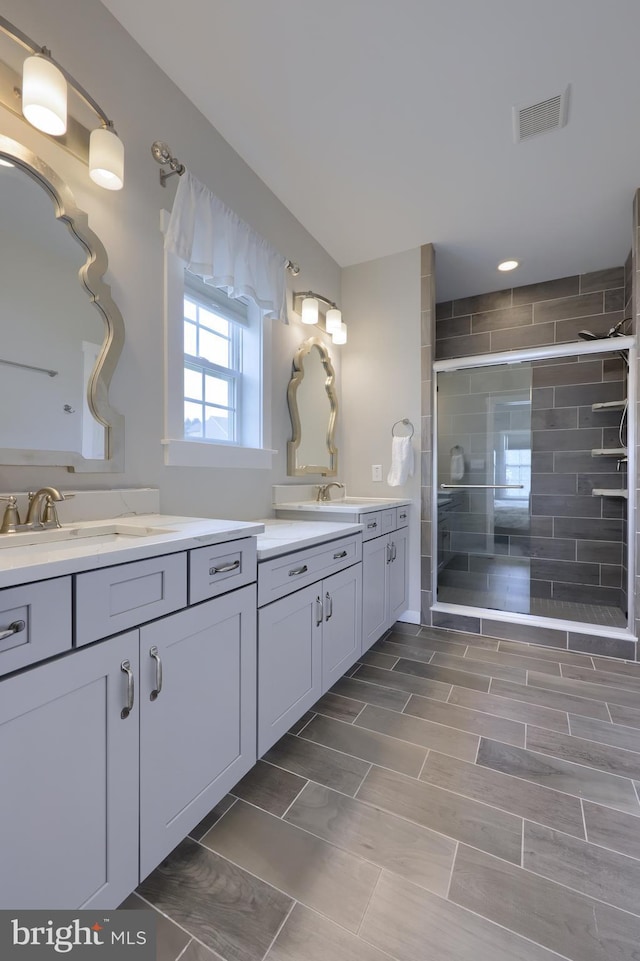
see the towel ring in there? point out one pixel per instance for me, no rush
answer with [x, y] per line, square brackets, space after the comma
[407, 423]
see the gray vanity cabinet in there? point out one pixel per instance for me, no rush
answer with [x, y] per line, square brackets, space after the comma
[289, 662]
[342, 625]
[308, 638]
[69, 799]
[111, 753]
[198, 734]
[385, 588]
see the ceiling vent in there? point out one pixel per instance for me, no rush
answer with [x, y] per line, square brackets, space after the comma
[540, 117]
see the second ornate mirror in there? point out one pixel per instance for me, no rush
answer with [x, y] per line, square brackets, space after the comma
[313, 406]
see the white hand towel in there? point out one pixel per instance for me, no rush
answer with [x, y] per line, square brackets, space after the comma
[401, 461]
[457, 464]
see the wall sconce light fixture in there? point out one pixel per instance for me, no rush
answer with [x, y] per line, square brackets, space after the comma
[44, 106]
[309, 303]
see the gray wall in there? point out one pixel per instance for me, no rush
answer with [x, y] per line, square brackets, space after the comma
[147, 106]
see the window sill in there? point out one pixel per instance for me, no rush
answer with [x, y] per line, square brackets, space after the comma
[189, 453]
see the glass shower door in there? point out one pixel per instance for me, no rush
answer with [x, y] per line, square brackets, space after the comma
[484, 486]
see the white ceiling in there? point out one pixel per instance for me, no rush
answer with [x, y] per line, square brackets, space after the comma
[385, 124]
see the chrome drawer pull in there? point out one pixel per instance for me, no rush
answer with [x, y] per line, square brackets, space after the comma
[299, 570]
[402, 517]
[340, 554]
[319, 611]
[126, 711]
[330, 600]
[370, 526]
[14, 628]
[153, 652]
[225, 568]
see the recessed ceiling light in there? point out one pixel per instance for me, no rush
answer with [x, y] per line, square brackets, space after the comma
[508, 265]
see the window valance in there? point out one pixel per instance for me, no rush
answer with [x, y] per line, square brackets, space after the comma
[216, 244]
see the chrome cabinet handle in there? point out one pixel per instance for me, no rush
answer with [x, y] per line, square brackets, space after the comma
[14, 628]
[299, 570]
[319, 611]
[153, 652]
[389, 554]
[125, 667]
[328, 598]
[339, 555]
[225, 568]
[372, 525]
[394, 551]
[402, 516]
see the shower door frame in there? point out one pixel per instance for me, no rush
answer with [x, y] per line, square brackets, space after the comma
[605, 346]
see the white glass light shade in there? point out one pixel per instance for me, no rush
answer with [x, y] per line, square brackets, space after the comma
[508, 265]
[44, 95]
[309, 310]
[106, 158]
[333, 320]
[339, 335]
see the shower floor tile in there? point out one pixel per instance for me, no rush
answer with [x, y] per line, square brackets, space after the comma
[519, 601]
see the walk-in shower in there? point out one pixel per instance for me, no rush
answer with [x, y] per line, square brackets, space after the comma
[531, 477]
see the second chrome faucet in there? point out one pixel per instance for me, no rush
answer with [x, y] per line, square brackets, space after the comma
[323, 491]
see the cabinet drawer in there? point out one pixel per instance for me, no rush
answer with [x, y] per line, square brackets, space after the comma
[402, 517]
[371, 525]
[39, 618]
[388, 520]
[114, 599]
[220, 568]
[283, 575]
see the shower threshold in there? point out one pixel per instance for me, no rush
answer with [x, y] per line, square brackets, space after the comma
[520, 603]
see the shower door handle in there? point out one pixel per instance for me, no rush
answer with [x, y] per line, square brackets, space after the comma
[480, 487]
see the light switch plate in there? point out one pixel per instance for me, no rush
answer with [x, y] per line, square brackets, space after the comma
[376, 472]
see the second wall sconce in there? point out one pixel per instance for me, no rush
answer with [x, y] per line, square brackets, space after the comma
[308, 304]
[44, 106]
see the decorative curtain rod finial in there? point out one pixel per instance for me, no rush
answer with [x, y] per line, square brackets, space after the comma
[162, 155]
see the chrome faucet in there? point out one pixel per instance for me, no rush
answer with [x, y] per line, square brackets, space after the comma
[323, 491]
[42, 511]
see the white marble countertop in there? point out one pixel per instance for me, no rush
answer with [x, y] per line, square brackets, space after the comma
[53, 553]
[344, 505]
[284, 536]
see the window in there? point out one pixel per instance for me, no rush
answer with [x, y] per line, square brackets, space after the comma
[213, 383]
[218, 375]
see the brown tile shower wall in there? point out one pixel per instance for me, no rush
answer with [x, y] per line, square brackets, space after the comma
[536, 315]
[533, 316]
[578, 537]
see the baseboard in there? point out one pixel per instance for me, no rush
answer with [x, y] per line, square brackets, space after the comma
[410, 617]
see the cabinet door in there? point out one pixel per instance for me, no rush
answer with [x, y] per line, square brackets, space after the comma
[289, 662]
[342, 628]
[398, 569]
[375, 590]
[69, 798]
[197, 727]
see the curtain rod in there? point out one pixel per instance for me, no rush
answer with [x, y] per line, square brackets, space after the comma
[163, 156]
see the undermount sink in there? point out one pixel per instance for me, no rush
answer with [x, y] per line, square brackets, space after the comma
[100, 533]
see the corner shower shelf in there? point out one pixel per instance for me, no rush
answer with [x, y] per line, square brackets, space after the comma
[603, 492]
[610, 405]
[609, 452]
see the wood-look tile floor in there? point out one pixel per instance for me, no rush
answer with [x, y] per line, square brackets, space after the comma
[455, 798]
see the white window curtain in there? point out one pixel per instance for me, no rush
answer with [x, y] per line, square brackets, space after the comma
[216, 244]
